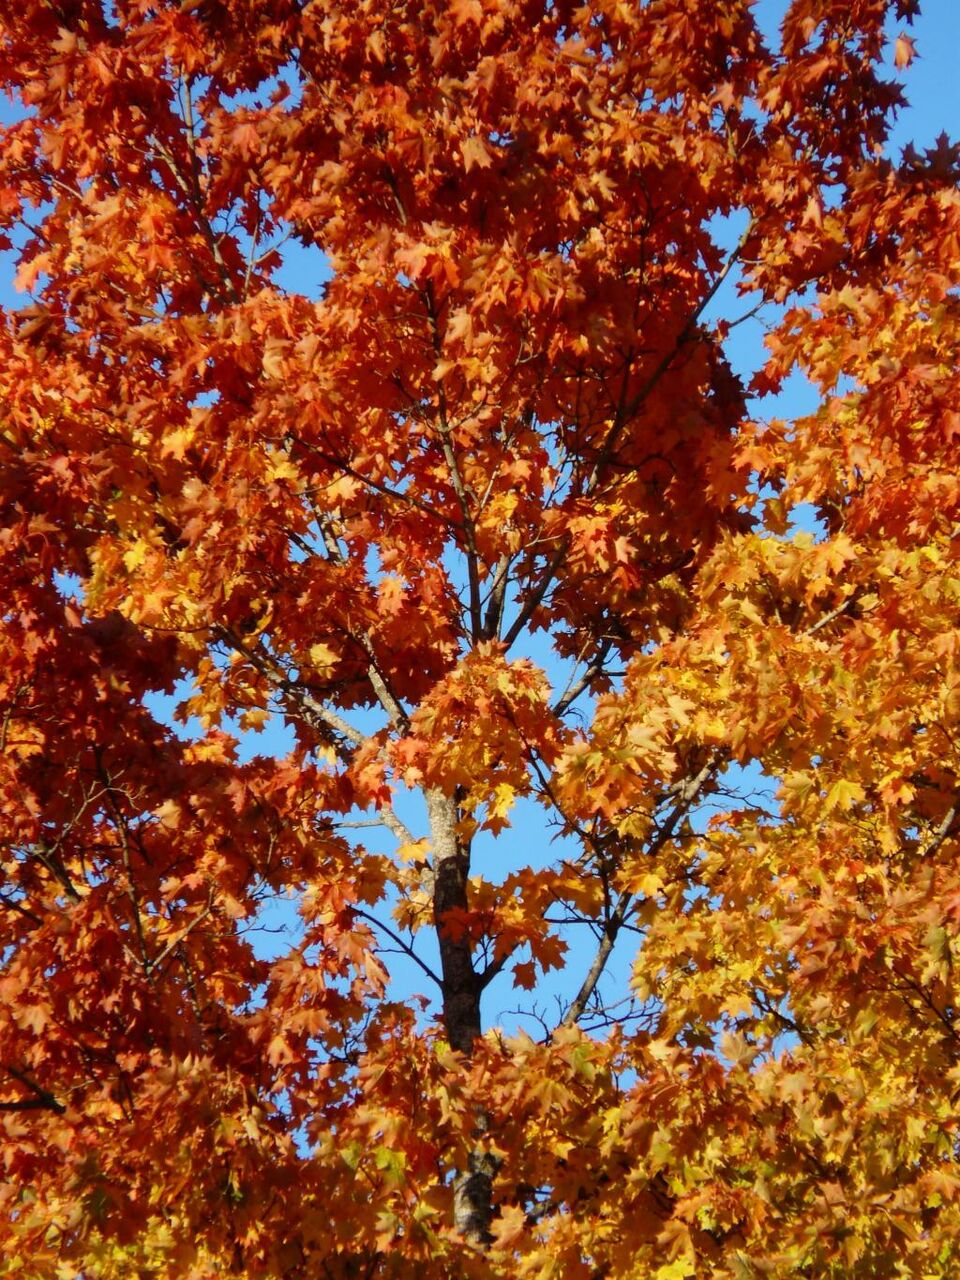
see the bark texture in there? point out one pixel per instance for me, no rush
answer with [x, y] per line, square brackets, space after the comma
[473, 1190]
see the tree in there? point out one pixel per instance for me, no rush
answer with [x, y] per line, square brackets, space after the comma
[483, 520]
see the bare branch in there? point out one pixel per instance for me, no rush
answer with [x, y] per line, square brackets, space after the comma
[687, 790]
[311, 708]
[536, 597]
[827, 618]
[21, 909]
[942, 833]
[56, 868]
[493, 619]
[377, 486]
[573, 691]
[627, 409]
[120, 825]
[456, 480]
[496, 967]
[405, 947]
[302, 702]
[378, 681]
[611, 929]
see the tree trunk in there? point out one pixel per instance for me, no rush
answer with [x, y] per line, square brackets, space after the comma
[473, 1189]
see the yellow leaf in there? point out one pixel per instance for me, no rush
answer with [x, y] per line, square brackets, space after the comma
[323, 657]
[255, 719]
[176, 443]
[414, 851]
[170, 814]
[509, 1226]
[474, 152]
[647, 883]
[904, 52]
[843, 795]
[135, 556]
[737, 1004]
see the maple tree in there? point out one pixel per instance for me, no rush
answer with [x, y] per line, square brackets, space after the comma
[485, 523]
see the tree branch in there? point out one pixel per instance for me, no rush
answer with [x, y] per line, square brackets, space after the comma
[536, 597]
[172, 945]
[573, 691]
[405, 947]
[316, 713]
[120, 823]
[311, 708]
[687, 791]
[493, 618]
[627, 409]
[20, 909]
[456, 481]
[42, 1099]
[611, 929]
[495, 968]
[410, 499]
[942, 833]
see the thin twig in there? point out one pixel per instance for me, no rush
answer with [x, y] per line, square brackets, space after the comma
[827, 618]
[444, 431]
[594, 668]
[611, 929]
[687, 791]
[405, 947]
[316, 713]
[172, 945]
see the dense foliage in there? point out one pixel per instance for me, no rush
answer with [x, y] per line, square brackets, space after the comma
[371, 389]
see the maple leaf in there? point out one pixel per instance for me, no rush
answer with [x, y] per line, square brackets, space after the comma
[467, 11]
[475, 152]
[904, 52]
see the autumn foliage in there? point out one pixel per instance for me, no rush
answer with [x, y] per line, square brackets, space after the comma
[370, 391]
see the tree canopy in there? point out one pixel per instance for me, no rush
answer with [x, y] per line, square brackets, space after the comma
[371, 391]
